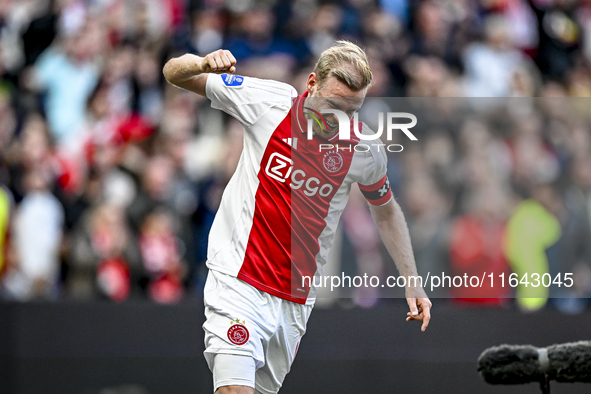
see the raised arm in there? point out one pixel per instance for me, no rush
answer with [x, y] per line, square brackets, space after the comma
[394, 232]
[190, 71]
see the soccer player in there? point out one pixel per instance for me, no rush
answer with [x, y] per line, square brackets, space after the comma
[279, 212]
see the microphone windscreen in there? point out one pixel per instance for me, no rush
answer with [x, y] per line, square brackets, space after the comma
[510, 364]
[570, 362]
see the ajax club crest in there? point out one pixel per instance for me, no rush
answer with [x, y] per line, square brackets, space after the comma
[238, 333]
[333, 161]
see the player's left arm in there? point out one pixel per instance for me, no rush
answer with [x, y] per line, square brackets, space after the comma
[394, 232]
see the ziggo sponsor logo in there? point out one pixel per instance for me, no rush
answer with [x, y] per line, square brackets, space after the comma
[280, 168]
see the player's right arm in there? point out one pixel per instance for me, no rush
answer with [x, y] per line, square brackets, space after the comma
[190, 71]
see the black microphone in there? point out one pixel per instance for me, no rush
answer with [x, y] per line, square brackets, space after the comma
[518, 364]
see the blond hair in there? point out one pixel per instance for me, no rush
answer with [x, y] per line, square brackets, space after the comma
[346, 62]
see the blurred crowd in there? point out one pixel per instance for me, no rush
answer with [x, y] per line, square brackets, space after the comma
[110, 178]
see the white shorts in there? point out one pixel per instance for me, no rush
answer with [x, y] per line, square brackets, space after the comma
[244, 321]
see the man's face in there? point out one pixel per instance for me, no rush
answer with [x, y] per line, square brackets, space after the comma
[333, 94]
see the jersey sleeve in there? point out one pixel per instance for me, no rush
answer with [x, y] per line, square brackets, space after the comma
[246, 98]
[375, 185]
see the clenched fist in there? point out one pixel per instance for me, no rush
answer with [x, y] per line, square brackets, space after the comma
[219, 62]
[190, 71]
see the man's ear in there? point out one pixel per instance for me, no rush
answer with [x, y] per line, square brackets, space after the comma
[312, 83]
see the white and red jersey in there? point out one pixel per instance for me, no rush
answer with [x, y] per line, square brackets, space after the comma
[280, 210]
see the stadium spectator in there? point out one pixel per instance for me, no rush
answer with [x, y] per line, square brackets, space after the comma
[560, 38]
[37, 238]
[531, 230]
[68, 73]
[573, 248]
[490, 66]
[104, 259]
[432, 36]
[161, 258]
[476, 246]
